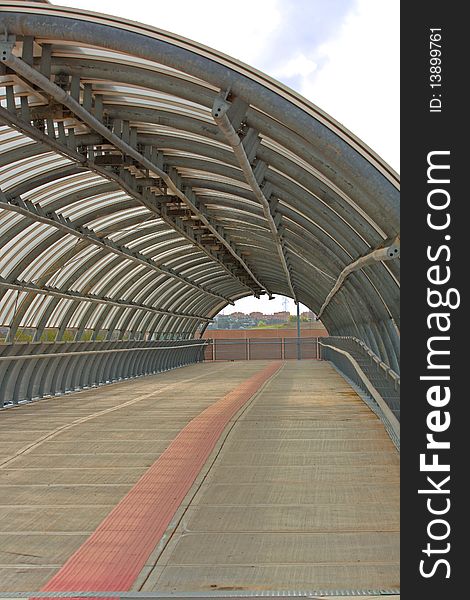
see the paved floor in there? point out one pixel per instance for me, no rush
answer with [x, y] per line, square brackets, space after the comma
[301, 492]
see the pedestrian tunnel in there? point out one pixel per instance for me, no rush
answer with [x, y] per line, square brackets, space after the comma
[147, 182]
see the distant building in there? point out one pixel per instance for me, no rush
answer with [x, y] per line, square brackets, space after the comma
[240, 320]
[282, 316]
[236, 320]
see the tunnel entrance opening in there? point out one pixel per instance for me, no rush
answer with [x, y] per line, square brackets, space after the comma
[261, 328]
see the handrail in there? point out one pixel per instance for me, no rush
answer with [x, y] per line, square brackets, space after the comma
[30, 376]
[391, 418]
[393, 374]
[88, 352]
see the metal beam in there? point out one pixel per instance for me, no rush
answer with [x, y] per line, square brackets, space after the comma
[126, 181]
[172, 181]
[219, 113]
[380, 254]
[71, 295]
[36, 213]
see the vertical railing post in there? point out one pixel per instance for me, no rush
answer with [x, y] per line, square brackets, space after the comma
[298, 332]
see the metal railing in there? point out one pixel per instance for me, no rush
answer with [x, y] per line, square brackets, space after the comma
[385, 398]
[393, 375]
[262, 349]
[33, 371]
[373, 365]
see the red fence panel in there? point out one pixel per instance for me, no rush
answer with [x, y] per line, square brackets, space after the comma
[261, 349]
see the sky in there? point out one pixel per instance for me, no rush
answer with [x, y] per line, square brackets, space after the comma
[343, 55]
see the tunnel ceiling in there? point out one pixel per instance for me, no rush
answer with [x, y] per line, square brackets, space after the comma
[147, 181]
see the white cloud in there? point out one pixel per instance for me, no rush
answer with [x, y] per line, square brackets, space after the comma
[358, 83]
[299, 65]
[242, 29]
[353, 74]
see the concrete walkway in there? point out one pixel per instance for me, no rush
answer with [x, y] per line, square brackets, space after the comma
[300, 492]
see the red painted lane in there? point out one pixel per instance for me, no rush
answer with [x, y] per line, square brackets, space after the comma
[114, 555]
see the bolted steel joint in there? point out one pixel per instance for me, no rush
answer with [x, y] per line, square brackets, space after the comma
[393, 251]
[220, 108]
[6, 50]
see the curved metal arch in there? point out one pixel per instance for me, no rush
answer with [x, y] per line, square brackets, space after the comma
[154, 299]
[281, 186]
[268, 127]
[121, 115]
[308, 225]
[126, 255]
[333, 199]
[86, 218]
